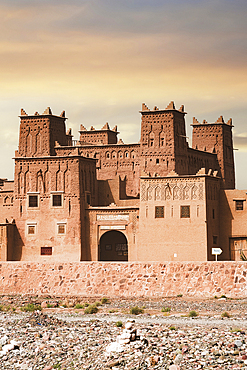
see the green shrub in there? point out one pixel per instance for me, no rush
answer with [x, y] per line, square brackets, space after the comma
[79, 306]
[166, 309]
[86, 304]
[172, 328]
[180, 295]
[31, 307]
[225, 314]
[223, 296]
[113, 311]
[49, 305]
[97, 304]
[216, 297]
[193, 313]
[57, 366]
[104, 300]
[91, 309]
[119, 324]
[136, 310]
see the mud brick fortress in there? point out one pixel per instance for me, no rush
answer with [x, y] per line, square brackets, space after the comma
[98, 199]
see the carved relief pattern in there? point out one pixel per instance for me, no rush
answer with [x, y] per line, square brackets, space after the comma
[193, 192]
[186, 192]
[176, 191]
[143, 193]
[200, 191]
[157, 193]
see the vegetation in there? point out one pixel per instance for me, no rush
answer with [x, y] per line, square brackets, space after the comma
[136, 310]
[97, 304]
[57, 366]
[79, 306]
[105, 300]
[193, 313]
[223, 296]
[31, 307]
[119, 324]
[172, 328]
[225, 314]
[91, 309]
[166, 309]
[180, 295]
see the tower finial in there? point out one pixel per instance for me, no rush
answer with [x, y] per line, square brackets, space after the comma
[171, 106]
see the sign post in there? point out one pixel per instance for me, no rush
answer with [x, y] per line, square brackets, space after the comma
[216, 252]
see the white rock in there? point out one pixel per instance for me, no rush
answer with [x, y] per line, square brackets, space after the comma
[178, 359]
[114, 347]
[238, 343]
[3, 340]
[8, 347]
[128, 325]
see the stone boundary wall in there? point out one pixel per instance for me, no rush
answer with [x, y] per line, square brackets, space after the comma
[125, 279]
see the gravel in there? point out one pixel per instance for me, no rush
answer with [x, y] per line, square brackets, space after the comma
[66, 338]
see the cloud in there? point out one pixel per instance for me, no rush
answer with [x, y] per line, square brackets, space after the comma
[240, 142]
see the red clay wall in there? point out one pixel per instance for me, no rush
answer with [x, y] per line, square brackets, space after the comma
[127, 279]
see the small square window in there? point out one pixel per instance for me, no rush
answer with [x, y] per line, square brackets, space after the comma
[61, 229]
[185, 212]
[33, 201]
[239, 205]
[31, 229]
[56, 200]
[159, 212]
[46, 251]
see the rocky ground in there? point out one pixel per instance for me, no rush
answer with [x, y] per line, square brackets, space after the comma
[174, 333]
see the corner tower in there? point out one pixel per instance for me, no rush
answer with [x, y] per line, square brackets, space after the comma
[217, 138]
[163, 140]
[39, 134]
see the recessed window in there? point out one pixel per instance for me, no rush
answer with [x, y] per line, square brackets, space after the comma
[159, 212]
[31, 229]
[157, 161]
[46, 251]
[185, 212]
[33, 201]
[215, 239]
[56, 200]
[239, 205]
[61, 229]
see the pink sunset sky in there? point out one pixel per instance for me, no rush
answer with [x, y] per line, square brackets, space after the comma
[99, 60]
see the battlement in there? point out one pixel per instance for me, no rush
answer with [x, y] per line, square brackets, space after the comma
[219, 121]
[170, 107]
[104, 136]
[47, 112]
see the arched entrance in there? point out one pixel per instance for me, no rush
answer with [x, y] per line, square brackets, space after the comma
[113, 246]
